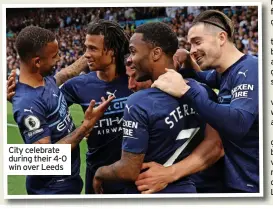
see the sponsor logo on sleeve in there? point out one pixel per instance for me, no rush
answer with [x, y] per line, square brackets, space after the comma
[241, 91]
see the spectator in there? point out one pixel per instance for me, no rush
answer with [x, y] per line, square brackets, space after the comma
[69, 24]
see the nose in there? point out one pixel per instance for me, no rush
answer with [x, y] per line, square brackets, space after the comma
[129, 61]
[132, 84]
[87, 54]
[193, 49]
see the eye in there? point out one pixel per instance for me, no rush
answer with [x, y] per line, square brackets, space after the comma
[198, 42]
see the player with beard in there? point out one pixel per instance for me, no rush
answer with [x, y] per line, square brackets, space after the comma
[106, 45]
[41, 111]
[236, 115]
[157, 127]
[133, 85]
[208, 178]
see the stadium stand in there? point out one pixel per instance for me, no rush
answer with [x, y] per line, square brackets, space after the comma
[69, 24]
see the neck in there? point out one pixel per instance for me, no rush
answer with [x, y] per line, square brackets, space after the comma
[108, 74]
[228, 59]
[160, 68]
[30, 78]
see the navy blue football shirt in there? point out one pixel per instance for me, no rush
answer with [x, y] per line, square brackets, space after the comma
[235, 117]
[41, 112]
[104, 142]
[161, 127]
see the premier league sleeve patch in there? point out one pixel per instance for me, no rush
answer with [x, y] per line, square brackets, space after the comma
[32, 122]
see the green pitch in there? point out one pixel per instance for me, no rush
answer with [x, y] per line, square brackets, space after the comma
[16, 184]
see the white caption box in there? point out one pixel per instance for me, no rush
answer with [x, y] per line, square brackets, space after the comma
[38, 159]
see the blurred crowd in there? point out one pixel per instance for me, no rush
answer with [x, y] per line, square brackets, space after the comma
[69, 24]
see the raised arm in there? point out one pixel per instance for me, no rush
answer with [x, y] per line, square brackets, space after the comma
[240, 113]
[71, 71]
[92, 115]
[11, 85]
[65, 74]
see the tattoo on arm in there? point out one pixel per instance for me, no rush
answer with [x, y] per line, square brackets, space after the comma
[75, 137]
[126, 169]
[71, 71]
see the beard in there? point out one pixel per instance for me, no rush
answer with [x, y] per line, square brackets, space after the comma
[49, 72]
[142, 78]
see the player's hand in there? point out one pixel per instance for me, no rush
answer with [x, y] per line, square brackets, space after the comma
[191, 63]
[156, 178]
[92, 115]
[97, 186]
[180, 57]
[172, 83]
[11, 85]
[97, 183]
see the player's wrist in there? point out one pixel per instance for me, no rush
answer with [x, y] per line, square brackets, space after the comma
[86, 126]
[184, 90]
[172, 174]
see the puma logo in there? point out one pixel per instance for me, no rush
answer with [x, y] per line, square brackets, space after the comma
[28, 110]
[111, 94]
[243, 73]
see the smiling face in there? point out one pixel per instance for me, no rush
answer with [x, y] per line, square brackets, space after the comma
[98, 58]
[133, 85]
[48, 58]
[205, 46]
[140, 57]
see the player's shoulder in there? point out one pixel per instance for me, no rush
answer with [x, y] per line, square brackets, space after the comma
[26, 97]
[150, 97]
[211, 94]
[247, 63]
[82, 79]
[140, 97]
[26, 93]
[50, 79]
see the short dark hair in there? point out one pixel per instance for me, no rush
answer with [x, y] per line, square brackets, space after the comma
[159, 34]
[31, 40]
[115, 38]
[218, 19]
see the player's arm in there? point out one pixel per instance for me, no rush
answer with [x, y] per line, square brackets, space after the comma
[157, 177]
[126, 169]
[189, 67]
[92, 115]
[71, 71]
[239, 115]
[134, 145]
[11, 85]
[62, 76]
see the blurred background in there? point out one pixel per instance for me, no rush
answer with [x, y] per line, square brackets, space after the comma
[69, 24]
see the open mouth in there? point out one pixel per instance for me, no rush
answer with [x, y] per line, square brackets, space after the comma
[90, 63]
[199, 59]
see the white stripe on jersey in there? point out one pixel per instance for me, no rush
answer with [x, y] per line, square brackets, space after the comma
[186, 133]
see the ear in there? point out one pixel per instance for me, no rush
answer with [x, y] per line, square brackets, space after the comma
[36, 62]
[156, 53]
[110, 52]
[223, 37]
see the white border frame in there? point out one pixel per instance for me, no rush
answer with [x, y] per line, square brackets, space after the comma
[88, 196]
